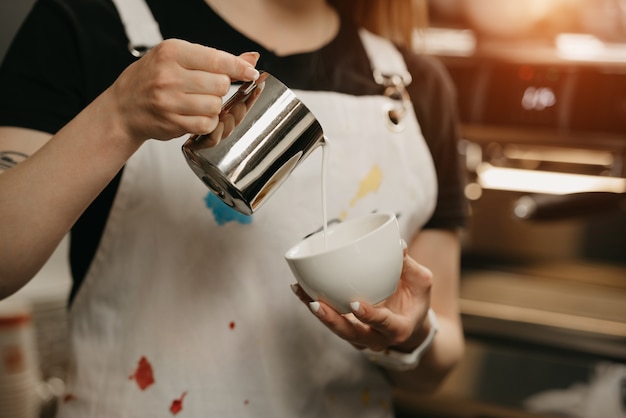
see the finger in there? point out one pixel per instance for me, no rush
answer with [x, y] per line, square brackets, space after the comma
[395, 328]
[345, 326]
[250, 57]
[177, 125]
[301, 294]
[418, 277]
[221, 62]
[203, 82]
[196, 105]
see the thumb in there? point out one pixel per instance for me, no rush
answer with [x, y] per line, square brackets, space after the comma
[250, 57]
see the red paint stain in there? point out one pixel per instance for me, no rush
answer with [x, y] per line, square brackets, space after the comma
[68, 397]
[13, 359]
[246, 402]
[232, 325]
[177, 404]
[143, 374]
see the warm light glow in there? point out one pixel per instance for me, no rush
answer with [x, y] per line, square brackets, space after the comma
[579, 46]
[538, 98]
[560, 155]
[473, 191]
[529, 181]
[585, 47]
[507, 18]
[456, 42]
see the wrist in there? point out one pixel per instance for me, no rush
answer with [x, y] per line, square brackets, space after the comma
[395, 359]
[417, 338]
[107, 113]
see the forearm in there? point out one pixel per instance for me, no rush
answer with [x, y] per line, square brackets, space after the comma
[44, 195]
[439, 251]
[437, 362]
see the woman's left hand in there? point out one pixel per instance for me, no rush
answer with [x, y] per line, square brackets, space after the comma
[396, 322]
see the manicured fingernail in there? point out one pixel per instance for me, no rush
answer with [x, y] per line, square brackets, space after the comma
[251, 73]
[253, 53]
[294, 289]
[316, 309]
[356, 308]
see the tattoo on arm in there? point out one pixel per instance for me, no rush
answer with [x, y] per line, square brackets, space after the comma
[9, 159]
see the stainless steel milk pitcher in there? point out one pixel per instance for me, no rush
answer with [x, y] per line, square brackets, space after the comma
[264, 132]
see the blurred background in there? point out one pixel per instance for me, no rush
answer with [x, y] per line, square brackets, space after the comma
[541, 88]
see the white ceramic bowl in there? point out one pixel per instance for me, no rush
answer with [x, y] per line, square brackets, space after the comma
[359, 260]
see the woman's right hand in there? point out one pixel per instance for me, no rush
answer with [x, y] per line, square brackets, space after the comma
[177, 88]
[173, 90]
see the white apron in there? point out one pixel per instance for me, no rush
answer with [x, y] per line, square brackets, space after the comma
[186, 309]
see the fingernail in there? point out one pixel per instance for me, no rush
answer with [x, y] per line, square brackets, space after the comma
[251, 73]
[316, 309]
[356, 308]
[294, 289]
[253, 53]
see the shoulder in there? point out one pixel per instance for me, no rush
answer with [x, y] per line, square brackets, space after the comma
[64, 54]
[72, 9]
[84, 20]
[430, 76]
[79, 21]
[432, 92]
[78, 5]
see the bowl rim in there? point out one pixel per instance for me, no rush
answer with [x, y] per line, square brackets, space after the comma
[290, 254]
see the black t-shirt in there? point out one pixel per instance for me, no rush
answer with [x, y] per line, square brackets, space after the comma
[69, 51]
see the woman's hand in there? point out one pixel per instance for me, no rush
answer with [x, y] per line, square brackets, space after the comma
[232, 115]
[173, 90]
[176, 88]
[396, 323]
[401, 322]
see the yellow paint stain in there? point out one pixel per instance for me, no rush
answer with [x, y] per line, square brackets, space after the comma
[369, 184]
[343, 215]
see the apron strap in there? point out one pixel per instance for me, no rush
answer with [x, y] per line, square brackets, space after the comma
[390, 72]
[385, 59]
[142, 29]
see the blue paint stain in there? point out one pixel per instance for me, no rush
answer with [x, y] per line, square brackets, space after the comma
[224, 213]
